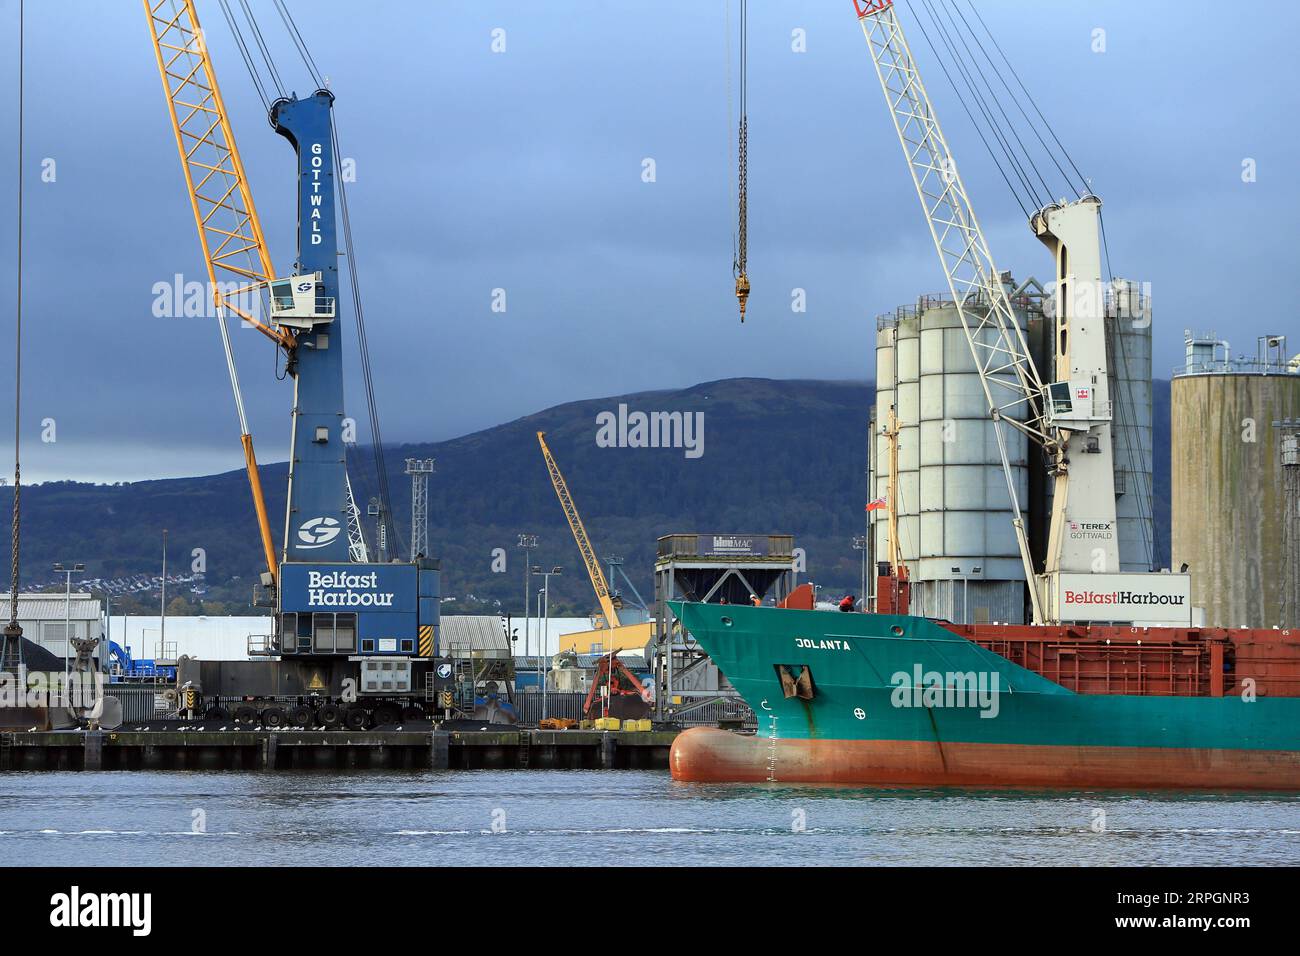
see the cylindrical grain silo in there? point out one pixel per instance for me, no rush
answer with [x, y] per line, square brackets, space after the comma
[955, 525]
[898, 372]
[1228, 488]
[1128, 351]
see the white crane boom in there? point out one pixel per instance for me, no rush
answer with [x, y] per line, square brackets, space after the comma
[1070, 418]
[1011, 384]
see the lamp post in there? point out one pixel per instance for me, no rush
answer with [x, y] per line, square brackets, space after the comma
[67, 571]
[526, 543]
[106, 641]
[537, 666]
[162, 606]
[544, 636]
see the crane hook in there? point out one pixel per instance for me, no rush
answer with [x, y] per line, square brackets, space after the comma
[742, 293]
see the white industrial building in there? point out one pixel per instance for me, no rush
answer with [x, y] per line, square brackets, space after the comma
[206, 637]
[45, 619]
[48, 619]
[223, 638]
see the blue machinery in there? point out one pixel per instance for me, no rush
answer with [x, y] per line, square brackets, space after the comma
[353, 639]
[329, 604]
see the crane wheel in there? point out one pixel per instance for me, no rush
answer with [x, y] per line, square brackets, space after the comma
[216, 712]
[301, 716]
[245, 714]
[356, 718]
[387, 714]
[274, 717]
[330, 716]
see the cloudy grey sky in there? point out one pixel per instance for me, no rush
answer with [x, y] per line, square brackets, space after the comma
[522, 170]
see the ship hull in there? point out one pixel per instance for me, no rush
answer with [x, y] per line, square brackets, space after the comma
[708, 755]
[873, 715]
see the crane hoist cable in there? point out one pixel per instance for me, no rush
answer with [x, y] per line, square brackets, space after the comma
[742, 194]
[1012, 133]
[1028, 96]
[300, 43]
[265, 50]
[247, 57]
[1063, 153]
[990, 103]
[363, 347]
[11, 658]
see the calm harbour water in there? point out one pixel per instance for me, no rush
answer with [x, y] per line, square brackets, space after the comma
[571, 817]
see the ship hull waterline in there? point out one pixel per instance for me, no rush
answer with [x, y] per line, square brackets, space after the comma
[709, 755]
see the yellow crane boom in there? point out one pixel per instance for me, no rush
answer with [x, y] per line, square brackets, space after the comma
[229, 230]
[589, 559]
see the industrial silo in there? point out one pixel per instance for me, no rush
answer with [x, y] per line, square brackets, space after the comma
[955, 522]
[898, 373]
[1228, 485]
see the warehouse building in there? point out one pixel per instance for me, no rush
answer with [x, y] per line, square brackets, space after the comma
[48, 619]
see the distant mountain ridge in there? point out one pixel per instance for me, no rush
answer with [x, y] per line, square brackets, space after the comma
[783, 456]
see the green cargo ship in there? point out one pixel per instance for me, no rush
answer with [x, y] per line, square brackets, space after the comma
[884, 699]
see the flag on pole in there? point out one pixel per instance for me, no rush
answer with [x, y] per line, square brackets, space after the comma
[877, 504]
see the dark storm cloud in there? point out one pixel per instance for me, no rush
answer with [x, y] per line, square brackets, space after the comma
[522, 171]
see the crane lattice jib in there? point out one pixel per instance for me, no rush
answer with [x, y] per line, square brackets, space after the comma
[589, 559]
[234, 248]
[1012, 386]
[229, 230]
[1007, 372]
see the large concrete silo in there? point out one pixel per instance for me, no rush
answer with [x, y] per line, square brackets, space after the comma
[955, 521]
[1229, 494]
